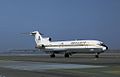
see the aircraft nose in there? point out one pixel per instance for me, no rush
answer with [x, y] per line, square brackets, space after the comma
[105, 47]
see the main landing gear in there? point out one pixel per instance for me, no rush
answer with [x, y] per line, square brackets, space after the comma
[66, 55]
[52, 55]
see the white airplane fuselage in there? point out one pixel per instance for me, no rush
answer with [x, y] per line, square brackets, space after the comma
[82, 46]
[68, 47]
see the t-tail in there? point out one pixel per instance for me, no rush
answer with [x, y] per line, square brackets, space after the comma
[40, 41]
[38, 37]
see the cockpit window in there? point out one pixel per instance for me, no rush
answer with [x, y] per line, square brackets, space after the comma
[102, 44]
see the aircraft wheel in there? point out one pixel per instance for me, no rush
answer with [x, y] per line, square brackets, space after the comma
[97, 55]
[66, 55]
[52, 55]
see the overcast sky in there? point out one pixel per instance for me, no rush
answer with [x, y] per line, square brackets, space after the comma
[59, 19]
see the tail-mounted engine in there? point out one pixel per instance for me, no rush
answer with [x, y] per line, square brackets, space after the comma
[47, 39]
[40, 46]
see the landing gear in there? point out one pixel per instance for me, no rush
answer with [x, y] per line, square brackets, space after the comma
[97, 55]
[66, 55]
[52, 55]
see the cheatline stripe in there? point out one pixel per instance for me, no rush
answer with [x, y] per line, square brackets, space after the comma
[69, 45]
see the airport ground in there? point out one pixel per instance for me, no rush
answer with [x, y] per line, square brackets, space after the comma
[111, 61]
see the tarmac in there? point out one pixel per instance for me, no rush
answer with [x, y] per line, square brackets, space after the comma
[79, 65]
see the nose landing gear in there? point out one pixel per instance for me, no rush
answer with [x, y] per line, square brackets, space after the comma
[97, 55]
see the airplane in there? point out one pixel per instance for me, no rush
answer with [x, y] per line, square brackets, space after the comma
[68, 47]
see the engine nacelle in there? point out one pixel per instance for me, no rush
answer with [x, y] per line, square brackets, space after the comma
[47, 39]
[40, 46]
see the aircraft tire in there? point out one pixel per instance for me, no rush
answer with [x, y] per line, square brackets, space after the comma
[66, 55]
[52, 55]
[97, 55]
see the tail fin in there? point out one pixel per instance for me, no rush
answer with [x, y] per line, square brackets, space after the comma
[37, 35]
